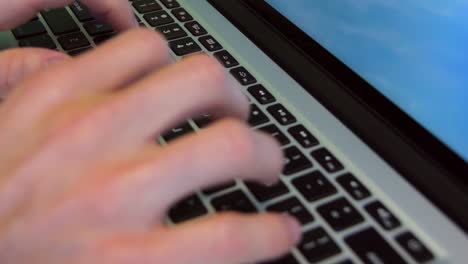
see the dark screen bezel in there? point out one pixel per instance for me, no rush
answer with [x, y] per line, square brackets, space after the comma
[416, 154]
[366, 92]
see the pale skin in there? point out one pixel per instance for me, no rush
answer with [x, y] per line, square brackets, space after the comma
[81, 178]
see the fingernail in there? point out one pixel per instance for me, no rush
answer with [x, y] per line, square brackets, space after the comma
[295, 229]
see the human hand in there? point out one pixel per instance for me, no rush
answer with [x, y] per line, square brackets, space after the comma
[83, 181]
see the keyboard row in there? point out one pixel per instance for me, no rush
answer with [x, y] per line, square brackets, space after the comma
[72, 40]
[339, 214]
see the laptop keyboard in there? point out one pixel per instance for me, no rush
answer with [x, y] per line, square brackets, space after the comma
[343, 221]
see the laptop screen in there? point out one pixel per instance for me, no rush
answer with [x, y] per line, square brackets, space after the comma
[415, 52]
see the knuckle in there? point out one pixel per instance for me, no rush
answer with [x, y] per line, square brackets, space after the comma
[85, 122]
[80, 124]
[44, 81]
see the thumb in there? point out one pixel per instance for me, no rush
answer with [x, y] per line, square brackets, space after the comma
[19, 64]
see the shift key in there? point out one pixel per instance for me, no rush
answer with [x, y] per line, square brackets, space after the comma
[60, 21]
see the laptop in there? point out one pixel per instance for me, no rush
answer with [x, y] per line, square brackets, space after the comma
[367, 98]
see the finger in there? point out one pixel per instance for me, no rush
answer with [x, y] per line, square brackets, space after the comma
[111, 66]
[225, 151]
[18, 64]
[140, 190]
[117, 12]
[188, 89]
[228, 238]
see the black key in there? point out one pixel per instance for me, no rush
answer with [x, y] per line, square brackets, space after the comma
[317, 245]
[276, 133]
[293, 207]
[264, 193]
[78, 51]
[59, 21]
[353, 186]
[103, 38]
[178, 132]
[97, 28]
[234, 201]
[73, 41]
[327, 160]
[414, 247]
[219, 188]
[303, 136]
[288, 259]
[210, 43]
[371, 248]
[172, 31]
[203, 121]
[81, 11]
[340, 214]
[314, 186]
[261, 94]
[41, 41]
[158, 18]
[382, 215]
[29, 29]
[226, 59]
[184, 46]
[145, 6]
[186, 209]
[243, 76]
[195, 28]
[281, 114]
[182, 15]
[257, 117]
[295, 161]
[170, 3]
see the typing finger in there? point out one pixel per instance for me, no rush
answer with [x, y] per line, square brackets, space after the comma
[188, 89]
[112, 66]
[221, 153]
[229, 238]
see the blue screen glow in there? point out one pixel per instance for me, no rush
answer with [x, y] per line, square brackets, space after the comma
[415, 52]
